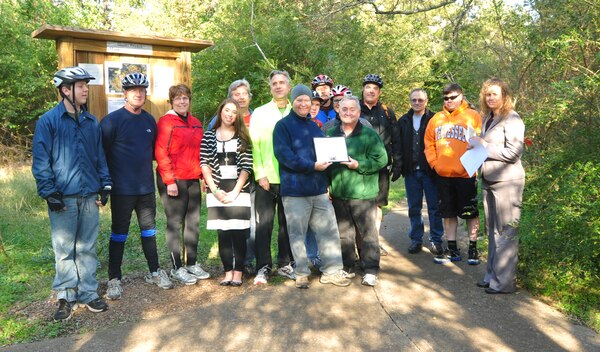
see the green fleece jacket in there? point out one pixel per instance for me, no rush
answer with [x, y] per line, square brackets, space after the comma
[365, 146]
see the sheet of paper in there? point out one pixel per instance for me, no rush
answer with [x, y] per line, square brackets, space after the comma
[331, 149]
[96, 71]
[473, 158]
[113, 104]
[164, 77]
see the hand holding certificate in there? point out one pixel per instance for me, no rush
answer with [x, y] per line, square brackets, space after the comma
[331, 149]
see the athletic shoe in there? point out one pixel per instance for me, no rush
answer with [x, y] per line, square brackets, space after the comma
[287, 271]
[415, 248]
[454, 255]
[197, 271]
[369, 280]
[114, 290]
[441, 259]
[436, 248]
[473, 257]
[337, 279]
[302, 282]
[65, 310]
[262, 276]
[350, 273]
[183, 276]
[160, 279]
[98, 305]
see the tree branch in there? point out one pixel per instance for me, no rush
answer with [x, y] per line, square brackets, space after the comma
[408, 12]
[254, 38]
[336, 8]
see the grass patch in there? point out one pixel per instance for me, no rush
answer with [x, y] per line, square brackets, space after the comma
[27, 258]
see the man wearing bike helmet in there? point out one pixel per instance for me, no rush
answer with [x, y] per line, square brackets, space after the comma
[70, 171]
[383, 121]
[322, 84]
[129, 135]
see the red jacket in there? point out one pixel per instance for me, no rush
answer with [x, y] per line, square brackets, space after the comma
[177, 149]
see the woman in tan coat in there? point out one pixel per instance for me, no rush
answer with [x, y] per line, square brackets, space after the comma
[503, 179]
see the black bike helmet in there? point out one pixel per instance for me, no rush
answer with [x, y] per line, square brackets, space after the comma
[135, 79]
[70, 75]
[373, 78]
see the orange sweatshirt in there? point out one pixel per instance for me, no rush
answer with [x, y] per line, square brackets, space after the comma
[447, 137]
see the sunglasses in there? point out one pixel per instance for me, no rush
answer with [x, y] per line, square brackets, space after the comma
[417, 100]
[451, 97]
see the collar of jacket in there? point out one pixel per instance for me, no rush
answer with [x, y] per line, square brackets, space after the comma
[340, 133]
[301, 118]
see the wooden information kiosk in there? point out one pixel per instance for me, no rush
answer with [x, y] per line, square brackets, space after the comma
[109, 56]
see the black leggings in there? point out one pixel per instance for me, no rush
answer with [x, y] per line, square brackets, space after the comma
[232, 242]
[183, 209]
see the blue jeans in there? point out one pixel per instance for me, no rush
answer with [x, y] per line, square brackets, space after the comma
[74, 232]
[316, 213]
[417, 183]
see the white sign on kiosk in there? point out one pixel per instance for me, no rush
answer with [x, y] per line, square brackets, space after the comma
[128, 48]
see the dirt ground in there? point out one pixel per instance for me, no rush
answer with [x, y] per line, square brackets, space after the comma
[142, 301]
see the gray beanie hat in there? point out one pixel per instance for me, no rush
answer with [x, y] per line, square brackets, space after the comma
[300, 89]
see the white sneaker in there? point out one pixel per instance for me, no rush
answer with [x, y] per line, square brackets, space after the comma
[160, 279]
[369, 280]
[262, 276]
[287, 271]
[114, 290]
[197, 271]
[183, 276]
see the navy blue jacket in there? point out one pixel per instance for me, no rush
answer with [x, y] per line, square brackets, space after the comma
[128, 141]
[68, 155]
[293, 144]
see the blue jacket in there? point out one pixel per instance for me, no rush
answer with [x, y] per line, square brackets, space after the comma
[293, 144]
[325, 116]
[128, 141]
[67, 155]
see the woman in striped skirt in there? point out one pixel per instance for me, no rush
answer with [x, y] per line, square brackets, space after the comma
[226, 159]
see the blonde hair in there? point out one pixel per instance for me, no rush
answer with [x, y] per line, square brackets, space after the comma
[507, 101]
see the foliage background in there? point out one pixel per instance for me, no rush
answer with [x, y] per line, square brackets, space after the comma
[546, 49]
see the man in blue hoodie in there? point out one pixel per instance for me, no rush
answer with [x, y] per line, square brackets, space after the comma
[304, 191]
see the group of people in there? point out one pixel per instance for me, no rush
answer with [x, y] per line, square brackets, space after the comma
[253, 164]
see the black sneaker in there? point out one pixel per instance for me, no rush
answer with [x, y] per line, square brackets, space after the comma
[454, 255]
[415, 248]
[98, 305]
[436, 248]
[65, 310]
[473, 256]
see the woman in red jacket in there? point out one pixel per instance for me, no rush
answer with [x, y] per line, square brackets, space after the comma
[178, 175]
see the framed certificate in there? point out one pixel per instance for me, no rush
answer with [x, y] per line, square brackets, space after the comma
[332, 149]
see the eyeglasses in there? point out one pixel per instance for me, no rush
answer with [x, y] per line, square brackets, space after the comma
[336, 101]
[446, 98]
[418, 100]
[181, 98]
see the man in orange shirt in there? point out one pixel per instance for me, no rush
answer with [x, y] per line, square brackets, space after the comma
[446, 140]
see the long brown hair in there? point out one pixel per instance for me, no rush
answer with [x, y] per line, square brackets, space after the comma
[507, 101]
[238, 124]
